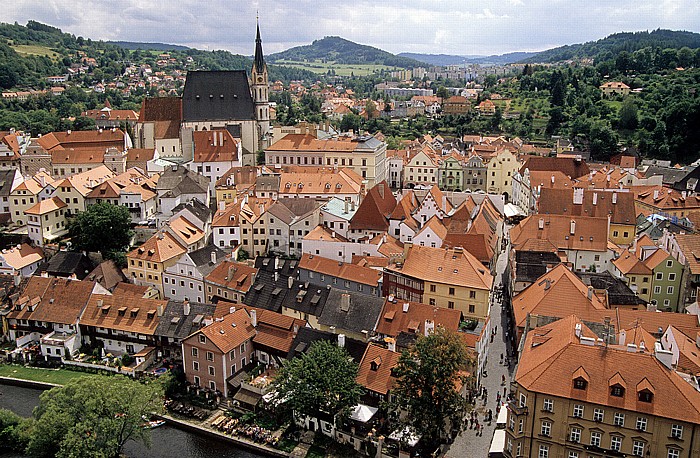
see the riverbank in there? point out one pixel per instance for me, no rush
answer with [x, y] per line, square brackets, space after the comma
[184, 425]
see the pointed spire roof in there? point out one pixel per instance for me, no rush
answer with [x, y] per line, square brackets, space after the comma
[258, 61]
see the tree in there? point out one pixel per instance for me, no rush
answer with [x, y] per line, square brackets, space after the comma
[322, 380]
[428, 377]
[628, 114]
[93, 416]
[443, 93]
[102, 227]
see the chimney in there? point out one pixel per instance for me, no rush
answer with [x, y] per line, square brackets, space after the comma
[406, 305]
[595, 198]
[347, 206]
[578, 196]
[656, 194]
[406, 248]
[573, 227]
[590, 293]
[186, 308]
[352, 205]
[577, 330]
[547, 284]
[344, 302]
[552, 179]
[221, 138]
[444, 204]
[254, 318]
[213, 257]
[614, 198]
[341, 340]
[380, 188]
[429, 327]
[665, 357]
[213, 139]
[277, 276]
[631, 348]
[540, 224]
[390, 343]
[222, 205]
[622, 338]
[290, 282]
[160, 309]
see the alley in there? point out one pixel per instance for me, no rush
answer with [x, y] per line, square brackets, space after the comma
[468, 444]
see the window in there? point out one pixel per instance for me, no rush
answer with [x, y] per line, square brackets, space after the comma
[578, 411]
[673, 453]
[196, 380]
[657, 290]
[677, 431]
[671, 277]
[432, 288]
[511, 422]
[243, 348]
[575, 435]
[431, 301]
[595, 438]
[638, 448]
[450, 304]
[573, 454]
[617, 391]
[452, 291]
[645, 396]
[472, 294]
[212, 385]
[669, 263]
[597, 258]
[615, 443]
[232, 354]
[598, 415]
[580, 383]
[195, 352]
[546, 428]
[641, 424]
[619, 419]
[615, 233]
[548, 405]
[210, 356]
[544, 451]
[520, 426]
[523, 400]
[669, 290]
[471, 308]
[659, 275]
[195, 365]
[211, 370]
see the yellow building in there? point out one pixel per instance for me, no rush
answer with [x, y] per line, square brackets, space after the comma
[448, 278]
[500, 169]
[26, 195]
[147, 263]
[74, 189]
[574, 396]
[664, 201]
[46, 221]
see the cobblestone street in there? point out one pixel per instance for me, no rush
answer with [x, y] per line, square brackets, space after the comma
[468, 444]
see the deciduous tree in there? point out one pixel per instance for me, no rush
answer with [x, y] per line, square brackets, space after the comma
[102, 227]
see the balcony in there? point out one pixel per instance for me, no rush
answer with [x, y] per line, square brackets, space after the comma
[514, 407]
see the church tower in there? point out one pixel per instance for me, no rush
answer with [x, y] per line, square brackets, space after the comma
[260, 87]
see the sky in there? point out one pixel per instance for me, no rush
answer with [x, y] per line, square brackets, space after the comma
[460, 27]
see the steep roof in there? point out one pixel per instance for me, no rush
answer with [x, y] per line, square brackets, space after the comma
[374, 372]
[161, 109]
[233, 275]
[690, 246]
[102, 138]
[628, 263]
[375, 209]
[554, 356]
[161, 247]
[46, 206]
[61, 300]
[570, 167]
[589, 233]
[361, 315]
[544, 297]
[476, 244]
[107, 274]
[214, 146]
[22, 256]
[289, 210]
[217, 95]
[406, 316]
[343, 270]
[593, 203]
[453, 267]
[123, 312]
[230, 332]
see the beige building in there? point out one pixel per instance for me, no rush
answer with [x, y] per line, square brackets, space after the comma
[26, 195]
[576, 396]
[75, 189]
[147, 263]
[46, 221]
[500, 170]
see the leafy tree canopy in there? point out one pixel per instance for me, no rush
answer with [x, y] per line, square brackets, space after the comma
[102, 227]
[92, 416]
[429, 376]
[322, 380]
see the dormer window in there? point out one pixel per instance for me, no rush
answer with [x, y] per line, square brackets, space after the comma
[645, 396]
[375, 363]
[202, 338]
[580, 383]
[617, 391]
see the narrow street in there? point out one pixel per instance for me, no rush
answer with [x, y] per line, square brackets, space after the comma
[469, 443]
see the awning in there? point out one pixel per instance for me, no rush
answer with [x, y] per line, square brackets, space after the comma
[407, 435]
[363, 413]
[511, 210]
[247, 397]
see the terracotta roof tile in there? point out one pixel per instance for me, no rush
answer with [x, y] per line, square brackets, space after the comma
[375, 368]
[346, 271]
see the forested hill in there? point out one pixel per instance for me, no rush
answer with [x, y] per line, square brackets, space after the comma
[342, 51]
[144, 46]
[614, 44]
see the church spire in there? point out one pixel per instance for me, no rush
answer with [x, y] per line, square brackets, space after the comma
[258, 61]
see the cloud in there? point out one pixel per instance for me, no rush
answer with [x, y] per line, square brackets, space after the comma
[439, 26]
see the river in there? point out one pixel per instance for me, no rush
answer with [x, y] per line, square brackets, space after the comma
[166, 441]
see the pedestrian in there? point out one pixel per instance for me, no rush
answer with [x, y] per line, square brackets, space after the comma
[503, 379]
[504, 391]
[501, 357]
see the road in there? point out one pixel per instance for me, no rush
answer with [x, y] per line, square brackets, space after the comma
[469, 443]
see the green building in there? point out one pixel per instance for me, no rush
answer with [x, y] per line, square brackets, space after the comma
[451, 174]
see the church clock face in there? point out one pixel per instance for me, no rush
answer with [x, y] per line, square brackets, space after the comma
[260, 79]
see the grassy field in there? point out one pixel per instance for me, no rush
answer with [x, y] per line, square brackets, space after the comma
[59, 377]
[35, 50]
[340, 69]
